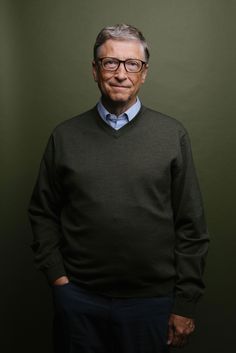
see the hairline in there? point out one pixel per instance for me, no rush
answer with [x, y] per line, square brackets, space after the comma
[121, 39]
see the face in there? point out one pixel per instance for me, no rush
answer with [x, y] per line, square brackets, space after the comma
[119, 88]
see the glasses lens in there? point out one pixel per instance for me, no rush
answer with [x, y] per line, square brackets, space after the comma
[133, 65]
[110, 64]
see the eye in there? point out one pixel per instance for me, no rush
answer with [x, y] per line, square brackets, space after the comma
[110, 63]
[133, 65]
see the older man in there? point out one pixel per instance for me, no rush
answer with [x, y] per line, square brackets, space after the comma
[117, 215]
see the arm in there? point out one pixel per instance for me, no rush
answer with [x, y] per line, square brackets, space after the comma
[191, 245]
[44, 214]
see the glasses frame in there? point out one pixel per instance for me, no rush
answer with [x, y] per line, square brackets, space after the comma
[100, 60]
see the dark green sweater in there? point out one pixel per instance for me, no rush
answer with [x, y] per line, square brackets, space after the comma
[119, 211]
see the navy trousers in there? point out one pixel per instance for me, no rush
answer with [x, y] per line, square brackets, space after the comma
[88, 323]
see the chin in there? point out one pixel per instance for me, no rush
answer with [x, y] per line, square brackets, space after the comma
[119, 98]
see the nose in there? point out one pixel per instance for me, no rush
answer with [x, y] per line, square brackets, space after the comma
[121, 73]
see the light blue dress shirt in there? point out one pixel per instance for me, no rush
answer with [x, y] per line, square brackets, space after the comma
[118, 122]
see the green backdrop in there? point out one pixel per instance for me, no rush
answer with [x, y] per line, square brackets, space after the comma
[45, 78]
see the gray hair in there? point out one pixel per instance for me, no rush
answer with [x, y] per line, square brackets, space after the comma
[120, 32]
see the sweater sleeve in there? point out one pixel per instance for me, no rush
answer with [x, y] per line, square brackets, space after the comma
[44, 214]
[192, 238]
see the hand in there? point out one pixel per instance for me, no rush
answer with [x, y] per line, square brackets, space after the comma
[61, 281]
[180, 328]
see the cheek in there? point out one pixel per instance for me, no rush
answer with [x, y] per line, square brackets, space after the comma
[104, 79]
[137, 83]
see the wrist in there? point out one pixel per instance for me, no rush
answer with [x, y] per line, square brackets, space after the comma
[61, 281]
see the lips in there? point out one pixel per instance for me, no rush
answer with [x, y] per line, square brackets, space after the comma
[117, 86]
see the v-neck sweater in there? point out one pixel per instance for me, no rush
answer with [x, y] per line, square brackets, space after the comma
[120, 211]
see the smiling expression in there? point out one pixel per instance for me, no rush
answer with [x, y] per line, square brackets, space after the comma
[119, 88]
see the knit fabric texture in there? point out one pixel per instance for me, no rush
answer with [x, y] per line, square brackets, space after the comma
[120, 211]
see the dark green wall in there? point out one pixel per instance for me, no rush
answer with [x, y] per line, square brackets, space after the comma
[45, 77]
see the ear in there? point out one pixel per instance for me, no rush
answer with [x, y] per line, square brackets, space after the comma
[95, 71]
[144, 73]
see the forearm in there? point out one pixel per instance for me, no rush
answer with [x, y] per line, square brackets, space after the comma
[44, 213]
[46, 246]
[192, 237]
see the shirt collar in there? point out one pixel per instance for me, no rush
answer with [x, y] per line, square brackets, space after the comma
[129, 113]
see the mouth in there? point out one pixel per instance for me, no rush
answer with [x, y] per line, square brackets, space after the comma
[119, 87]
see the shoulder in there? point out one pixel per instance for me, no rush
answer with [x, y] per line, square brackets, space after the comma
[75, 123]
[162, 121]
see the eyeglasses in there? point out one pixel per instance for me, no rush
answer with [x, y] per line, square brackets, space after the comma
[112, 64]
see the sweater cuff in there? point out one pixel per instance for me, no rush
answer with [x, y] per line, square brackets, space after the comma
[54, 272]
[184, 307]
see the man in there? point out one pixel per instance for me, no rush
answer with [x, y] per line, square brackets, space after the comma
[117, 216]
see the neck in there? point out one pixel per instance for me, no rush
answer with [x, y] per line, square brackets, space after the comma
[117, 108]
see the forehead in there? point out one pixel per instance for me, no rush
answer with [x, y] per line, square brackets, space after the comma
[122, 49]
